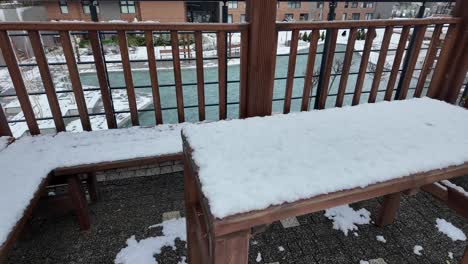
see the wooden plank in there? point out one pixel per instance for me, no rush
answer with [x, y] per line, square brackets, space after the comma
[457, 201]
[310, 70]
[127, 70]
[153, 71]
[380, 64]
[41, 60]
[437, 190]
[414, 53]
[291, 70]
[232, 249]
[177, 75]
[17, 80]
[261, 14]
[77, 195]
[330, 53]
[75, 80]
[346, 67]
[101, 74]
[396, 63]
[429, 60]
[5, 130]
[363, 67]
[200, 75]
[389, 209]
[244, 53]
[222, 78]
[441, 69]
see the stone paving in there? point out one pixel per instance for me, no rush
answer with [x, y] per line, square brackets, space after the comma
[129, 206]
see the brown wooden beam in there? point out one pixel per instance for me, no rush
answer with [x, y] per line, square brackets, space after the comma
[389, 209]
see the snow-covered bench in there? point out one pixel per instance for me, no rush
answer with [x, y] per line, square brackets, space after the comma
[28, 164]
[255, 171]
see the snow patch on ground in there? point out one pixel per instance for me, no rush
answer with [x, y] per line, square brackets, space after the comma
[259, 257]
[450, 230]
[143, 251]
[280, 248]
[346, 218]
[381, 239]
[450, 255]
[417, 250]
[363, 262]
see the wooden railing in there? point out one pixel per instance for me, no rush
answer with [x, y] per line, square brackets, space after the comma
[92, 30]
[444, 65]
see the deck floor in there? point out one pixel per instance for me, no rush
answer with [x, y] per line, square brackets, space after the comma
[128, 206]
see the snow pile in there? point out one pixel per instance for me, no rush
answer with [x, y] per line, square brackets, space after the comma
[259, 257]
[417, 250]
[450, 230]
[381, 239]
[281, 248]
[363, 262]
[25, 163]
[346, 218]
[142, 251]
[254, 163]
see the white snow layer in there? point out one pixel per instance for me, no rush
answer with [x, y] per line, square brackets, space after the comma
[417, 250]
[4, 142]
[456, 187]
[346, 218]
[142, 252]
[381, 239]
[25, 163]
[253, 163]
[450, 230]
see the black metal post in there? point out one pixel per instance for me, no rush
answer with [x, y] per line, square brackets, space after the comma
[93, 10]
[331, 16]
[464, 97]
[225, 20]
[420, 14]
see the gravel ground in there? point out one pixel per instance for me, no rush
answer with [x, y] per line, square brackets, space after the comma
[127, 207]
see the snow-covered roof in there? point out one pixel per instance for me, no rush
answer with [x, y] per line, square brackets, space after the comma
[24, 164]
[254, 163]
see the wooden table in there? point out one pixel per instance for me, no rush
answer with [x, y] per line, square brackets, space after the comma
[226, 239]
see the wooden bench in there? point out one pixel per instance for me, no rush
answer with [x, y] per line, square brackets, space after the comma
[80, 153]
[223, 207]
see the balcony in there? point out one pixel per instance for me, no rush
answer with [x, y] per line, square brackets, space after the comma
[88, 76]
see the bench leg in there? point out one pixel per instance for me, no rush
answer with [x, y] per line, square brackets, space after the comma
[78, 198]
[465, 257]
[389, 209]
[92, 184]
[232, 249]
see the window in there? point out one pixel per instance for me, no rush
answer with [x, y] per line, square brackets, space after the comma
[85, 4]
[356, 16]
[242, 18]
[346, 4]
[344, 16]
[354, 4]
[127, 7]
[303, 17]
[294, 4]
[369, 16]
[232, 4]
[229, 19]
[367, 5]
[63, 6]
[288, 17]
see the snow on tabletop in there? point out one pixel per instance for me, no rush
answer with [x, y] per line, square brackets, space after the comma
[25, 163]
[253, 163]
[450, 230]
[143, 251]
[346, 218]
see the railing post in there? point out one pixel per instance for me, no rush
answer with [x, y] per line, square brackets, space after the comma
[261, 14]
[456, 74]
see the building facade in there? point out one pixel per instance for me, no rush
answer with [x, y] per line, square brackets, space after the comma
[352, 10]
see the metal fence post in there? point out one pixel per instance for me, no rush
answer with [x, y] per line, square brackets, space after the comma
[225, 20]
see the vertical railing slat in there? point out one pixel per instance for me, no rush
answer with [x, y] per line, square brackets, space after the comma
[127, 70]
[414, 53]
[397, 62]
[153, 71]
[46, 77]
[75, 80]
[380, 64]
[429, 60]
[310, 70]
[330, 54]
[5, 130]
[346, 67]
[177, 75]
[200, 75]
[221, 43]
[101, 74]
[18, 83]
[291, 70]
[443, 62]
[363, 66]
[243, 74]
